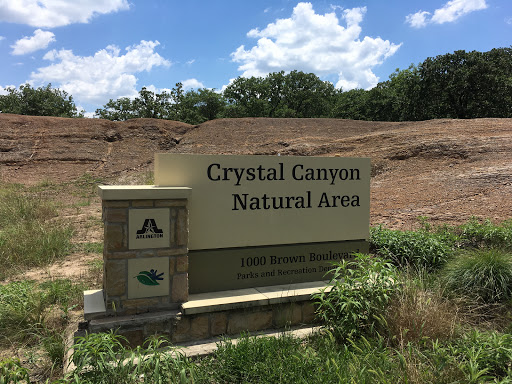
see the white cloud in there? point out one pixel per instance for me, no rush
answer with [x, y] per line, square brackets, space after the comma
[3, 90]
[192, 84]
[56, 13]
[156, 90]
[418, 19]
[40, 40]
[455, 9]
[107, 74]
[190, 62]
[317, 43]
[508, 20]
[449, 12]
[2, 38]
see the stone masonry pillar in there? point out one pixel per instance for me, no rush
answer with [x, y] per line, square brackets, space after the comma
[145, 251]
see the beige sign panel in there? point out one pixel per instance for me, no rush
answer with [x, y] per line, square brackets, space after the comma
[225, 269]
[148, 277]
[149, 228]
[241, 201]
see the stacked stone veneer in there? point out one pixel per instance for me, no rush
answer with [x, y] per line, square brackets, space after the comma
[171, 315]
[181, 328]
[116, 255]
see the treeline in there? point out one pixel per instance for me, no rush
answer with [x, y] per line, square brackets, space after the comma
[456, 85]
[459, 85]
[42, 101]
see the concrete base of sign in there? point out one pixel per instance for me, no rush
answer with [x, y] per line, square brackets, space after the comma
[208, 315]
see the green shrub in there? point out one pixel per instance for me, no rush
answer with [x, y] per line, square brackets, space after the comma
[259, 360]
[421, 249]
[484, 275]
[486, 234]
[357, 295]
[487, 353]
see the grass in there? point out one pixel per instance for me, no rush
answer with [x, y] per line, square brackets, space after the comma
[400, 323]
[89, 247]
[31, 234]
[421, 311]
[473, 357]
[484, 275]
[33, 318]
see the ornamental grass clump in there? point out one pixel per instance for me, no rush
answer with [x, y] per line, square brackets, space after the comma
[484, 275]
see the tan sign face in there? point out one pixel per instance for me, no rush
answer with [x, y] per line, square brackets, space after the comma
[241, 201]
[224, 269]
[148, 277]
[149, 228]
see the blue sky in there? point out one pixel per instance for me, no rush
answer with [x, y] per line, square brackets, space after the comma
[102, 49]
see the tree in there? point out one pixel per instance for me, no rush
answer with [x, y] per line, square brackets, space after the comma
[467, 84]
[148, 104]
[202, 105]
[296, 94]
[247, 97]
[43, 101]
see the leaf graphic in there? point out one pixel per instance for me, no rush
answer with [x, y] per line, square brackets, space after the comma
[146, 280]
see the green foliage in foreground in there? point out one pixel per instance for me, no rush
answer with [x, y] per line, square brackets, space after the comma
[11, 371]
[31, 234]
[358, 294]
[483, 275]
[376, 329]
[475, 357]
[421, 249]
[477, 234]
[35, 315]
[102, 358]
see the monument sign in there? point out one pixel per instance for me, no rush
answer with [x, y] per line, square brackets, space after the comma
[268, 220]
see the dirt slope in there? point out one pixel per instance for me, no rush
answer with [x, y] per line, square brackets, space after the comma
[448, 170]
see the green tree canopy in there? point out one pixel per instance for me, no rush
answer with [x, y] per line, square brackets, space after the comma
[42, 101]
[147, 104]
[296, 94]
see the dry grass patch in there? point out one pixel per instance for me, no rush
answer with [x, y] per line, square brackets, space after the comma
[417, 313]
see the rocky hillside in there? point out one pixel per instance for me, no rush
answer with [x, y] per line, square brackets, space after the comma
[448, 170]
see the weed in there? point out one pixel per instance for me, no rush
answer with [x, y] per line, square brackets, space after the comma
[86, 185]
[102, 358]
[31, 234]
[360, 291]
[419, 312]
[11, 371]
[55, 347]
[89, 247]
[421, 249]
[23, 311]
[96, 270]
